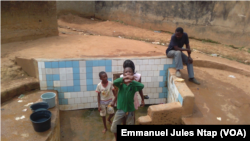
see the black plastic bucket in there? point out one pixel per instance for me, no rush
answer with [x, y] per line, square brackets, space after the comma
[39, 106]
[41, 120]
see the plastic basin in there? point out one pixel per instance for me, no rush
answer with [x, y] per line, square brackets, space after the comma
[49, 97]
[41, 120]
[39, 106]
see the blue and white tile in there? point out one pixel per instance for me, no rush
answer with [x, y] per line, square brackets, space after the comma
[160, 78]
[120, 62]
[43, 84]
[169, 61]
[93, 93]
[70, 83]
[87, 105]
[163, 61]
[83, 88]
[77, 100]
[84, 100]
[69, 76]
[151, 61]
[55, 71]
[151, 101]
[148, 79]
[153, 90]
[69, 70]
[155, 78]
[62, 70]
[157, 61]
[82, 76]
[63, 83]
[41, 65]
[159, 90]
[95, 98]
[83, 82]
[150, 84]
[90, 99]
[67, 95]
[154, 67]
[80, 94]
[42, 77]
[145, 62]
[57, 84]
[114, 62]
[74, 94]
[71, 101]
[156, 84]
[48, 71]
[150, 73]
[81, 106]
[86, 94]
[83, 70]
[82, 64]
[160, 67]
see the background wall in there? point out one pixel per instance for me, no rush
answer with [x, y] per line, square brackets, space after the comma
[81, 8]
[27, 20]
[224, 22]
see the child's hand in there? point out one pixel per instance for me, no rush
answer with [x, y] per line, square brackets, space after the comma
[112, 104]
[99, 108]
[126, 81]
[142, 103]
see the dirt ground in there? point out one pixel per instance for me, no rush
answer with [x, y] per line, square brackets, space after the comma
[72, 123]
[219, 96]
[89, 38]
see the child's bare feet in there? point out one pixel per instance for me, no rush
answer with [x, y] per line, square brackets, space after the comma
[104, 130]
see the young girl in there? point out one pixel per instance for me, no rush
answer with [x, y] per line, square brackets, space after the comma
[137, 76]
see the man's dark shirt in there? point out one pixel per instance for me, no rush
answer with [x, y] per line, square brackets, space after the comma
[175, 42]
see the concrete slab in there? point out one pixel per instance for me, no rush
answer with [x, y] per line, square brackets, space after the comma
[22, 129]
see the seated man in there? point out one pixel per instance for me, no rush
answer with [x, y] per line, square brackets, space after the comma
[175, 51]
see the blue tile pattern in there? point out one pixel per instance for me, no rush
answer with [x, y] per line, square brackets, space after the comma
[87, 79]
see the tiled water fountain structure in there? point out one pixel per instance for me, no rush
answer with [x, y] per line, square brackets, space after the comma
[76, 79]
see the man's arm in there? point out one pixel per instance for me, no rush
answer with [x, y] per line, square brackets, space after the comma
[188, 47]
[180, 49]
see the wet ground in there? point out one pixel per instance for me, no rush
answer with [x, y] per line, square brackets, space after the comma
[87, 125]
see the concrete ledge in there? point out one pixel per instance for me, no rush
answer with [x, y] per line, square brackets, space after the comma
[220, 66]
[16, 87]
[162, 114]
[30, 66]
[22, 129]
[186, 94]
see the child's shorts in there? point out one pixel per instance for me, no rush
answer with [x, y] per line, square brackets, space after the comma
[119, 115]
[110, 109]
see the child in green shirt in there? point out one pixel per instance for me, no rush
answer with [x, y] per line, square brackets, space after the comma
[125, 99]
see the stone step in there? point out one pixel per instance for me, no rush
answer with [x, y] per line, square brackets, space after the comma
[17, 87]
[162, 114]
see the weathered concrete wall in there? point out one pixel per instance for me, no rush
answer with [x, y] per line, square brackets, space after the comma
[28, 20]
[81, 8]
[225, 22]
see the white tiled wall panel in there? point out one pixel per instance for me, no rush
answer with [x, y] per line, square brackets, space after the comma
[76, 81]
